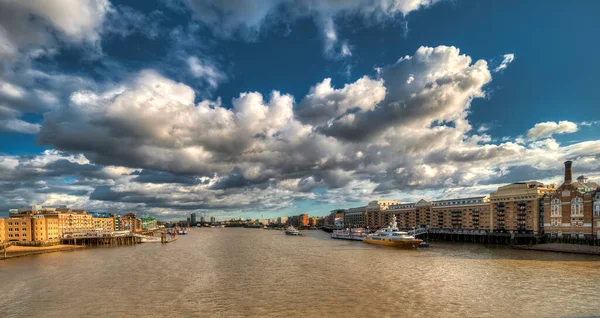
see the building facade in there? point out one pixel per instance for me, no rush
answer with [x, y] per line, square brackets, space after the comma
[374, 213]
[131, 223]
[17, 229]
[570, 210]
[355, 217]
[455, 215]
[517, 208]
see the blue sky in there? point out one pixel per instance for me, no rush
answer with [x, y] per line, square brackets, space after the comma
[170, 107]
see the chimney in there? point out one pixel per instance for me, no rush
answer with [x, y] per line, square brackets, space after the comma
[568, 173]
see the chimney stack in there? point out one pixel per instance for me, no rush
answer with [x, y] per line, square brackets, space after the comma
[568, 172]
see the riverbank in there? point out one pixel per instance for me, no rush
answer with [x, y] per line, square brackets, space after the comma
[563, 248]
[18, 251]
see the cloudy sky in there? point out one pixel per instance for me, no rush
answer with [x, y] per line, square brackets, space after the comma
[280, 107]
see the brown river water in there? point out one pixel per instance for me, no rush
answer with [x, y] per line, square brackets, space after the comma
[237, 272]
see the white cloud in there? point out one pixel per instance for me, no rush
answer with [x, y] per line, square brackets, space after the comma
[547, 129]
[324, 102]
[206, 71]
[508, 58]
[149, 144]
[590, 123]
[19, 126]
[32, 24]
[249, 19]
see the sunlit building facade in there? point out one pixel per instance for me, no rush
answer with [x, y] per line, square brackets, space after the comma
[471, 214]
[570, 210]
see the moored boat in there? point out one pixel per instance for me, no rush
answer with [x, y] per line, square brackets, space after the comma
[392, 236]
[292, 231]
[357, 234]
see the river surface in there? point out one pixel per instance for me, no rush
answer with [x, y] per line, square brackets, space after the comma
[234, 272]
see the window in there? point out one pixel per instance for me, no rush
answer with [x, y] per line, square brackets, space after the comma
[555, 208]
[577, 207]
[597, 207]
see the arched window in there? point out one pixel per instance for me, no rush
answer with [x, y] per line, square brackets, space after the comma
[597, 207]
[555, 208]
[577, 207]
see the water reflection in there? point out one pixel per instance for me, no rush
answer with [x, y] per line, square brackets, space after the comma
[235, 272]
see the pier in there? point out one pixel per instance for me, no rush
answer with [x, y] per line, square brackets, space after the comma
[117, 238]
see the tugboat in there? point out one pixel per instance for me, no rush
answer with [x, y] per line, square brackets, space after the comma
[292, 231]
[392, 236]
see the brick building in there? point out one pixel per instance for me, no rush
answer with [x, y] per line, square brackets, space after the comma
[355, 217]
[517, 207]
[570, 209]
[374, 213]
[457, 214]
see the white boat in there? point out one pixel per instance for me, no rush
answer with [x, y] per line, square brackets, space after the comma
[392, 236]
[292, 231]
[357, 234]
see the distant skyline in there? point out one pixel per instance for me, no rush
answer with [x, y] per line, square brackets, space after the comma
[278, 107]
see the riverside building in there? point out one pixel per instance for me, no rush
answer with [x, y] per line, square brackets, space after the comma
[374, 215]
[456, 215]
[571, 209]
[37, 223]
[355, 217]
[517, 208]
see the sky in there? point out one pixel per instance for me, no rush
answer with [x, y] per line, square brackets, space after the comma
[280, 107]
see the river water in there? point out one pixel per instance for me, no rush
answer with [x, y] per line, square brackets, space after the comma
[234, 272]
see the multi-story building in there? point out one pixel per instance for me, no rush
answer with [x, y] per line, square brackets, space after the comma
[212, 219]
[374, 215]
[471, 214]
[118, 220]
[303, 220]
[596, 217]
[517, 208]
[571, 208]
[103, 222]
[132, 223]
[193, 218]
[282, 220]
[18, 229]
[355, 217]
[202, 220]
[2, 230]
[73, 221]
[44, 227]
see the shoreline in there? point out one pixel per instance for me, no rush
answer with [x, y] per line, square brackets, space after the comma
[562, 248]
[20, 251]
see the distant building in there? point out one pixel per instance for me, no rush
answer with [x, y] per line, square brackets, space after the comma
[212, 219]
[103, 222]
[193, 218]
[131, 223]
[355, 217]
[303, 220]
[202, 219]
[282, 220]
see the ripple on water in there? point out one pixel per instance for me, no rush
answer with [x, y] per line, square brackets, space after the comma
[235, 272]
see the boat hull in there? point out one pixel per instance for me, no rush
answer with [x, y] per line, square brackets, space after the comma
[348, 237]
[394, 243]
[292, 233]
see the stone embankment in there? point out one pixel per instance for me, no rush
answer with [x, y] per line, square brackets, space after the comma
[563, 248]
[18, 251]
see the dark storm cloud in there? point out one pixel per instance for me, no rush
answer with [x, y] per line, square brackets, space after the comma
[152, 176]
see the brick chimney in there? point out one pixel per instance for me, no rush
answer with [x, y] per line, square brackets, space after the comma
[568, 172]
